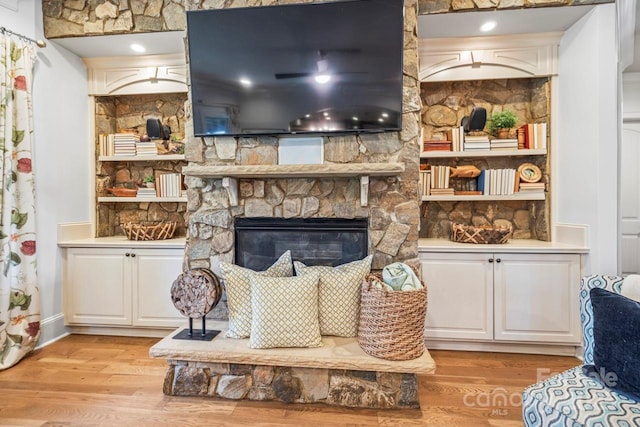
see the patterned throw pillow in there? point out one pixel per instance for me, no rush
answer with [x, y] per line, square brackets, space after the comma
[285, 311]
[236, 282]
[339, 295]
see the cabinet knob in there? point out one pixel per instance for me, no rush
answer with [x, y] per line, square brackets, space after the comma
[134, 255]
[490, 259]
[497, 260]
[127, 254]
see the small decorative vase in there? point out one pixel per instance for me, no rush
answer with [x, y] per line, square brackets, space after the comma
[150, 184]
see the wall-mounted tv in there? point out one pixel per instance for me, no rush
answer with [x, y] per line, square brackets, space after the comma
[310, 68]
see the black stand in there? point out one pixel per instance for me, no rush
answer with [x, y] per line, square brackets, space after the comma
[204, 335]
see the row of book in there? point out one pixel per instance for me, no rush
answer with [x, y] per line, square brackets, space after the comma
[491, 182]
[125, 144]
[167, 185]
[496, 182]
[534, 137]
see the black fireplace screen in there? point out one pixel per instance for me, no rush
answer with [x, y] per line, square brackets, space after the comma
[314, 241]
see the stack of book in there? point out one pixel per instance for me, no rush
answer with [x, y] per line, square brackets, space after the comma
[531, 187]
[440, 181]
[146, 192]
[147, 148]
[496, 182]
[437, 145]
[476, 142]
[535, 136]
[425, 182]
[504, 144]
[456, 135]
[105, 144]
[169, 185]
[124, 144]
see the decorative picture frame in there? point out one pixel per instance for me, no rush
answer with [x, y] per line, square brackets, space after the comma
[301, 151]
[528, 172]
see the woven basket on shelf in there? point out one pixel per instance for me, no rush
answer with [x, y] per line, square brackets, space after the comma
[462, 233]
[391, 322]
[149, 230]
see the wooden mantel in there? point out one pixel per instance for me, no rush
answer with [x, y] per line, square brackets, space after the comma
[230, 174]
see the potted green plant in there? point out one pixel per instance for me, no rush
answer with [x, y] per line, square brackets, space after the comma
[501, 122]
[149, 181]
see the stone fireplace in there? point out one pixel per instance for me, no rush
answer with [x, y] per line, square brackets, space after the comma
[391, 211]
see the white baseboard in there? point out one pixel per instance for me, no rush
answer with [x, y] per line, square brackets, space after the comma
[51, 330]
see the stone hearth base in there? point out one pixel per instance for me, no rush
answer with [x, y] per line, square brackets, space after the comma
[356, 389]
[338, 373]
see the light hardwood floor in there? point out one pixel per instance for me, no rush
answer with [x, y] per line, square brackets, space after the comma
[111, 381]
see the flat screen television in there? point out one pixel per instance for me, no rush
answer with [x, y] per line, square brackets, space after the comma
[310, 68]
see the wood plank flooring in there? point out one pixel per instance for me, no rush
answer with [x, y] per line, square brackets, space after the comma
[110, 381]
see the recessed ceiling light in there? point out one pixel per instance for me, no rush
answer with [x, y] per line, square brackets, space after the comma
[322, 78]
[488, 26]
[136, 47]
[385, 115]
[354, 118]
[245, 82]
[381, 120]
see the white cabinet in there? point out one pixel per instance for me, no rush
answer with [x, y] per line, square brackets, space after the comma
[121, 286]
[502, 297]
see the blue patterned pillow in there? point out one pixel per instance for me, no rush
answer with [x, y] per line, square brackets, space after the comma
[616, 335]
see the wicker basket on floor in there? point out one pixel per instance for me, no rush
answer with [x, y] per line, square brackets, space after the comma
[149, 230]
[391, 322]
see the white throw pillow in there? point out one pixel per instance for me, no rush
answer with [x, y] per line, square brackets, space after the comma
[238, 288]
[284, 311]
[339, 295]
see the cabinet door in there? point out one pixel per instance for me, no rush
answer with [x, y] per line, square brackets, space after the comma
[536, 297]
[460, 295]
[153, 274]
[97, 287]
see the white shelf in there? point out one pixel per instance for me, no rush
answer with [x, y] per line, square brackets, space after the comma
[154, 158]
[481, 153]
[112, 199]
[479, 198]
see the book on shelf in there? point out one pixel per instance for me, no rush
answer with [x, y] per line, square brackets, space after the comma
[425, 182]
[442, 192]
[436, 145]
[456, 136]
[535, 136]
[440, 177]
[531, 187]
[504, 144]
[146, 192]
[169, 185]
[497, 182]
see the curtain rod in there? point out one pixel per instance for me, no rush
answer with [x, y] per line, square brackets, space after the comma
[39, 43]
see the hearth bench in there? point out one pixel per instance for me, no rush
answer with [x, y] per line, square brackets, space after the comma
[338, 373]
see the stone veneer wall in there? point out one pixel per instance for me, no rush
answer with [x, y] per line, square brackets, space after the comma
[444, 105]
[338, 387]
[76, 18]
[115, 113]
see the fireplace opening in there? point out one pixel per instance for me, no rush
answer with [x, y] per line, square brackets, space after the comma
[313, 241]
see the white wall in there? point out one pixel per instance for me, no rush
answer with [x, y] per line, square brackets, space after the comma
[61, 154]
[586, 186]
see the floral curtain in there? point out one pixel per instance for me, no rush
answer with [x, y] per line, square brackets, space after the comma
[19, 294]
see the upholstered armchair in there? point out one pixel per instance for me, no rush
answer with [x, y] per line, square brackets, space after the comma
[589, 395]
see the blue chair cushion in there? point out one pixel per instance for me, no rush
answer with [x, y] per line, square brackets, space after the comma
[616, 334]
[574, 398]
